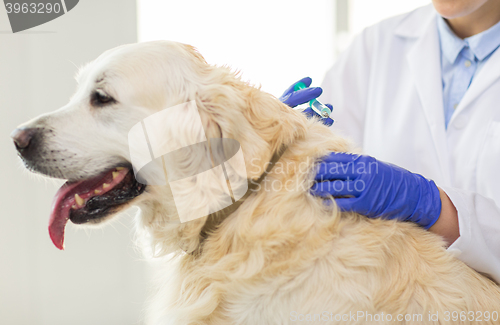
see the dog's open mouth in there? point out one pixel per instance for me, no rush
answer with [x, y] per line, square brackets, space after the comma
[91, 200]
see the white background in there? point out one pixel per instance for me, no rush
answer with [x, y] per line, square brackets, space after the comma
[274, 43]
[101, 278]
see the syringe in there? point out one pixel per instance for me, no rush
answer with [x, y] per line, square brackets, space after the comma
[315, 104]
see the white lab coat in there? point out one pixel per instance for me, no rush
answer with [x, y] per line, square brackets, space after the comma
[386, 91]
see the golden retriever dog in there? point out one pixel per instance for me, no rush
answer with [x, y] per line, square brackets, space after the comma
[278, 255]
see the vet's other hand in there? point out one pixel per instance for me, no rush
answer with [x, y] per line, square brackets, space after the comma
[293, 98]
[377, 189]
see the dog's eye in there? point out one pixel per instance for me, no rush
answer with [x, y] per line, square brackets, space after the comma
[100, 98]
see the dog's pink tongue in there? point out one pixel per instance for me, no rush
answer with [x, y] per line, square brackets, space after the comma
[59, 215]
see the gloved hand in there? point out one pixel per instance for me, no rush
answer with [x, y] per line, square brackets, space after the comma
[377, 189]
[294, 98]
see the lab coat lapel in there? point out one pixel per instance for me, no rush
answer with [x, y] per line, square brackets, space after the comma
[484, 78]
[425, 66]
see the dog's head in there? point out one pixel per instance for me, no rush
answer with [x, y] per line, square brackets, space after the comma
[86, 141]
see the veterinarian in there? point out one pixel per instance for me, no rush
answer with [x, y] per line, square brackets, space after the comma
[422, 91]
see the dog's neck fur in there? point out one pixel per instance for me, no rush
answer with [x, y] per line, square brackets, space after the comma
[215, 219]
[262, 238]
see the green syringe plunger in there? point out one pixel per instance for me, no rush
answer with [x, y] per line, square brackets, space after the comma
[315, 104]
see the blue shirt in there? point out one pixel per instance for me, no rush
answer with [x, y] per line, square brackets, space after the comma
[461, 59]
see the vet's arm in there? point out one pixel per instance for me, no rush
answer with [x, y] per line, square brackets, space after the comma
[478, 222]
[447, 224]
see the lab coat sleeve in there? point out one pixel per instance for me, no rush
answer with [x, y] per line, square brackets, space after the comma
[346, 87]
[479, 223]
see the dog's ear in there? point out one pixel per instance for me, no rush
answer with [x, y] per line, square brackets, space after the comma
[276, 123]
[231, 108]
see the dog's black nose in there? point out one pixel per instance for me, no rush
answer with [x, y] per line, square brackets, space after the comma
[22, 138]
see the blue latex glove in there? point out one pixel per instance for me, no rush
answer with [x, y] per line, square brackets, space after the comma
[294, 98]
[377, 189]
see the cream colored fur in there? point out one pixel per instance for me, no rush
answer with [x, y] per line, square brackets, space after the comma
[283, 252]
